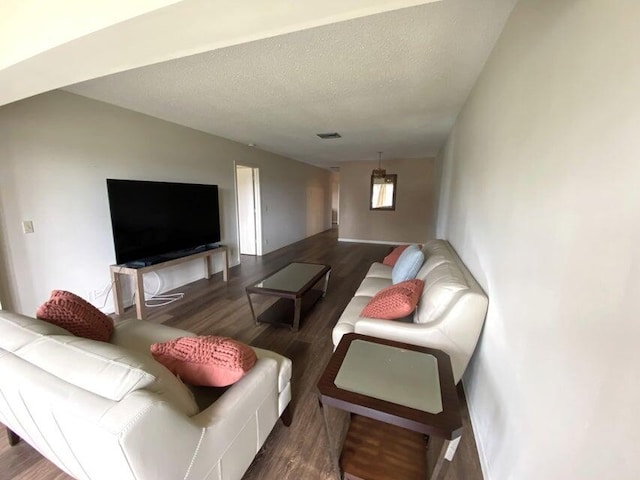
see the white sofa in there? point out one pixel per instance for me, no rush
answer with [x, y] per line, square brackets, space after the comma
[109, 411]
[449, 316]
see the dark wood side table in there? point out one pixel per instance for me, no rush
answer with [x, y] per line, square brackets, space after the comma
[396, 393]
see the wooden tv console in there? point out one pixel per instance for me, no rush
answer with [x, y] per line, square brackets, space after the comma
[138, 273]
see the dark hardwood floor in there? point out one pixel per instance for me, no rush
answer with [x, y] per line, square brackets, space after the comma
[217, 308]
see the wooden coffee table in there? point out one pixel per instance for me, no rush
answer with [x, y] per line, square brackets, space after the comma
[396, 393]
[294, 284]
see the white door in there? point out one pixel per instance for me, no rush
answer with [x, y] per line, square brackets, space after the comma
[248, 210]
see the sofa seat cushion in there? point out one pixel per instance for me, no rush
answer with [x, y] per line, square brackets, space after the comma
[443, 284]
[396, 301]
[372, 285]
[139, 335]
[407, 265]
[379, 270]
[209, 360]
[350, 315]
[76, 315]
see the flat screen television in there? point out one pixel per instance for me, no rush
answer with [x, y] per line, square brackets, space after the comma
[150, 219]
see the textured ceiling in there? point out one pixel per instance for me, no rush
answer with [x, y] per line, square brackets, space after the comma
[392, 82]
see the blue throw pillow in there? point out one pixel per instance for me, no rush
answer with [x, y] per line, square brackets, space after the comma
[407, 266]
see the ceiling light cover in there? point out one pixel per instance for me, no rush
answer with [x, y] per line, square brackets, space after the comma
[329, 136]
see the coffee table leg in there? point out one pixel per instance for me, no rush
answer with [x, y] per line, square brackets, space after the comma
[12, 437]
[332, 452]
[253, 313]
[438, 459]
[297, 310]
[326, 284]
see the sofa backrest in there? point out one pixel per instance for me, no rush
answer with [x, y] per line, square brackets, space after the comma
[98, 367]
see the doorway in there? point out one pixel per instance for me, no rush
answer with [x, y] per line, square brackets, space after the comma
[248, 200]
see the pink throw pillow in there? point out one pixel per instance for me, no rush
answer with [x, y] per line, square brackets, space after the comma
[76, 315]
[206, 361]
[396, 301]
[393, 257]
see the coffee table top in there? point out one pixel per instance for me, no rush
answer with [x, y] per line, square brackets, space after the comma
[394, 382]
[293, 279]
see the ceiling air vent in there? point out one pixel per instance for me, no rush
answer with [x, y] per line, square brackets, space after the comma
[328, 136]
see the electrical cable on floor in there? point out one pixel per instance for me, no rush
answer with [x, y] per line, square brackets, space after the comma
[106, 291]
[165, 298]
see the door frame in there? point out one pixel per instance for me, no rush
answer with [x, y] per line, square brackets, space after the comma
[255, 170]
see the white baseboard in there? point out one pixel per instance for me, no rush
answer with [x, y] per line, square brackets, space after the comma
[379, 242]
[484, 465]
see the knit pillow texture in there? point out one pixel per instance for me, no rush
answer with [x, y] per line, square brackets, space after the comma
[209, 361]
[395, 301]
[408, 264]
[393, 257]
[76, 315]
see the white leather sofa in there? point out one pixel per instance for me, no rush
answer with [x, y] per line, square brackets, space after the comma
[109, 411]
[449, 316]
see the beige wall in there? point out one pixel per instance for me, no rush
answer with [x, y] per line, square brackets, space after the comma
[57, 149]
[542, 202]
[414, 217]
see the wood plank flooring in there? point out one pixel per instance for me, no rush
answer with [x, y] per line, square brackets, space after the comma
[217, 308]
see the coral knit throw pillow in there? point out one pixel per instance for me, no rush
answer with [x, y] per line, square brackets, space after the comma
[396, 301]
[205, 361]
[393, 257]
[76, 315]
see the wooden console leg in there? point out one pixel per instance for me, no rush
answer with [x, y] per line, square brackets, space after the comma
[286, 416]
[12, 437]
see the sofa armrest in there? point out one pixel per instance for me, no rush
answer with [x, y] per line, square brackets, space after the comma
[244, 396]
[235, 427]
[413, 333]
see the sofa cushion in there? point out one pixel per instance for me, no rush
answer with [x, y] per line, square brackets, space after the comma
[396, 301]
[407, 265]
[437, 247]
[380, 271]
[207, 361]
[76, 315]
[372, 285]
[139, 335]
[391, 259]
[429, 264]
[105, 369]
[18, 330]
[442, 285]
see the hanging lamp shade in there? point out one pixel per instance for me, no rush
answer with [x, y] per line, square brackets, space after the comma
[379, 172]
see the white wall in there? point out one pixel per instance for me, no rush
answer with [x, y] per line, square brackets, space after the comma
[57, 149]
[542, 202]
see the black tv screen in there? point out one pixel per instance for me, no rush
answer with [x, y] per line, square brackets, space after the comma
[155, 218]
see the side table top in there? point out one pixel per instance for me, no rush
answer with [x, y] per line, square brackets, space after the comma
[405, 385]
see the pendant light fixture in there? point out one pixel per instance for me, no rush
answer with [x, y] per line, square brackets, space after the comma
[379, 172]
